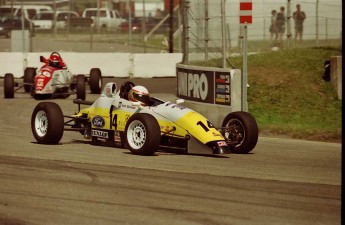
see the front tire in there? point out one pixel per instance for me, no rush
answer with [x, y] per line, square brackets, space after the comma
[9, 85]
[241, 132]
[47, 123]
[29, 75]
[95, 81]
[80, 87]
[143, 134]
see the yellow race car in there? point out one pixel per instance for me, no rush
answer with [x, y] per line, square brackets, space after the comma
[117, 118]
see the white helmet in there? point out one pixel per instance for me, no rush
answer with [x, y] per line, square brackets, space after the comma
[139, 94]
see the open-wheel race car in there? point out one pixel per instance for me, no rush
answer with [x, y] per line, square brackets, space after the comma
[53, 80]
[131, 118]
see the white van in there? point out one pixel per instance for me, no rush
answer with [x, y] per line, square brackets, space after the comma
[29, 10]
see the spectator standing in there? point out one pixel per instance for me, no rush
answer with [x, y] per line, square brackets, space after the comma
[273, 27]
[299, 17]
[280, 23]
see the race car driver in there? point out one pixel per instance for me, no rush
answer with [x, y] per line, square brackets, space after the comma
[56, 61]
[139, 94]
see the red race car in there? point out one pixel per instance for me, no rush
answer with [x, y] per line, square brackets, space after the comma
[53, 80]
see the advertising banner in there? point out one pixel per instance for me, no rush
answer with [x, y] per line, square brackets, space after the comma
[203, 85]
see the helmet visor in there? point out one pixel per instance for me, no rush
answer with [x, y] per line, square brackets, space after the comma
[54, 63]
[141, 98]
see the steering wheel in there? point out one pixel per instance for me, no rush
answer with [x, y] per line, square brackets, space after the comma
[125, 88]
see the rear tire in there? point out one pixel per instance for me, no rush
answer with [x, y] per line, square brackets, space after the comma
[143, 134]
[241, 132]
[95, 81]
[9, 85]
[80, 87]
[47, 123]
[29, 75]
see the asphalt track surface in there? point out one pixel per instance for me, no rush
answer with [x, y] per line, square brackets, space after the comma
[283, 181]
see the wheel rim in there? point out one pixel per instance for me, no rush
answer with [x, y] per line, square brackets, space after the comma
[136, 134]
[41, 123]
[234, 132]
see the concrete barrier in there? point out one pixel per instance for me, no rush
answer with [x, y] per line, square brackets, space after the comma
[111, 64]
[155, 65]
[12, 63]
[337, 74]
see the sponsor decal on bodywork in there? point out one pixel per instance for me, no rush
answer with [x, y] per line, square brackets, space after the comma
[124, 106]
[100, 134]
[42, 84]
[221, 143]
[173, 105]
[216, 134]
[98, 121]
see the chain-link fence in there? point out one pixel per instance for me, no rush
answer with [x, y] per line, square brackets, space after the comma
[204, 32]
[110, 26]
[205, 29]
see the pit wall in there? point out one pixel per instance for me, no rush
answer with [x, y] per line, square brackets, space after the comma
[111, 64]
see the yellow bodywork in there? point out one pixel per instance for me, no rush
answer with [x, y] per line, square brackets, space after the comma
[199, 127]
[191, 123]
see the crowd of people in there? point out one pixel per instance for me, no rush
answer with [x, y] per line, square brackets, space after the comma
[278, 24]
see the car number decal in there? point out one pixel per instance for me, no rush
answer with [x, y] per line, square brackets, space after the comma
[209, 124]
[113, 122]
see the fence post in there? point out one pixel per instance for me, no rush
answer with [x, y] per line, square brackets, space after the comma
[171, 26]
[240, 38]
[317, 23]
[223, 32]
[185, 8]
[54, 19]
[288, 24]
[244, 81]
[264, 38]
[336, 74]
[129, 8]
[143, 30]
[229, 35]
[326, 26]
[206, 30]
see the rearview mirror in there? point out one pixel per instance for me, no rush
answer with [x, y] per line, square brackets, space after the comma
[42, 59]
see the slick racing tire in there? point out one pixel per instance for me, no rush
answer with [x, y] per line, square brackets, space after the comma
[143, 134]
[80, 87]
[95, 81]
[241, 132]
[9, 85]
[47, 123]
[29, 75]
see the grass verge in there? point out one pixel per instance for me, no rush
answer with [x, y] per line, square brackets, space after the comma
[288, 96]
